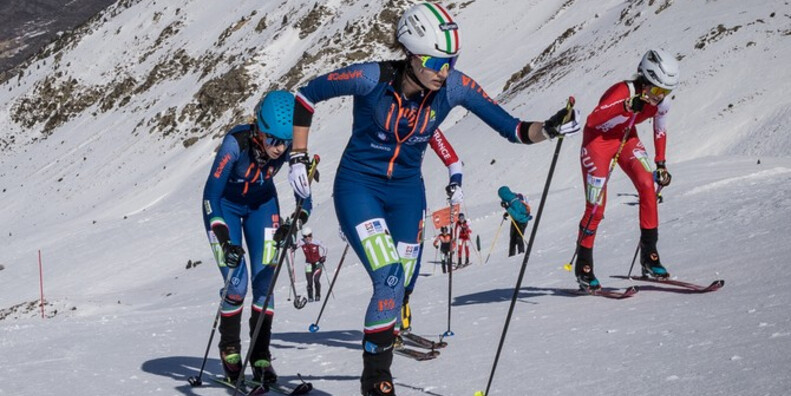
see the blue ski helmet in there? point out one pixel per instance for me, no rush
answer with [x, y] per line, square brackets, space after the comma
[274, 115]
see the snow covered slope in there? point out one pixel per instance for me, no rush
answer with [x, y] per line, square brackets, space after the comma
[108, 136]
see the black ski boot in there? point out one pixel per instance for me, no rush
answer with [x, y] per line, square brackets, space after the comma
[231, 358]
[263, 372]
[583, 269]
[376, 379]
[230, 343]
[261, 358]
[649, 257]
[383, 388]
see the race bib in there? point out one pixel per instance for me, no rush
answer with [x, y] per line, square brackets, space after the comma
[377, 243]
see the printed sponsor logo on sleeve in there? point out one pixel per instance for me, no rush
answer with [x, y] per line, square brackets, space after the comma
[347, 75]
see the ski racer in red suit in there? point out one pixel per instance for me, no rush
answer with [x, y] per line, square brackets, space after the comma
[612, 125]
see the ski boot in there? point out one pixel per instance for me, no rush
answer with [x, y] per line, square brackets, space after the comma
[263, 372]
[318, 297]
[649, 257]
[583, 269]
[383, 388]
[231, 362]
[406, 315]
[376, 379]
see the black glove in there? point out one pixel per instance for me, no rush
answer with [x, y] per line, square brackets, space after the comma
[233, 254]
[505, 216]
[554, 126]
[302, 218]
[280, 233]
[661, 175]
[634, 104]
[504, 204]
[323, 259]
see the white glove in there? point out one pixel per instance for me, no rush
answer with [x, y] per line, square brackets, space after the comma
[298, 174]
[455, 194]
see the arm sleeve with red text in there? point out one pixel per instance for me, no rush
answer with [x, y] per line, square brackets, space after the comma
[357, 79]
[440, 144]
[221, 170]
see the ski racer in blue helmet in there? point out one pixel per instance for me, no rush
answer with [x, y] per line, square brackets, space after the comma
[240, 201]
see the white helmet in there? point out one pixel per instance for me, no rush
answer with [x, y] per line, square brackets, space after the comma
[660, 68]
[428, 29]
[306, 231]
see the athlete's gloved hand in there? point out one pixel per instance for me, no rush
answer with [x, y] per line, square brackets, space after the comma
[233, 254]
[634, 104]
[323, 259]
[661, 175]
[281, 232]
[554, 126]
[505, 216]
[298, 173]
[504, 204]
[455, 194]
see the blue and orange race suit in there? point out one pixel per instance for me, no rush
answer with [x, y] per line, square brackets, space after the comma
[379, 193]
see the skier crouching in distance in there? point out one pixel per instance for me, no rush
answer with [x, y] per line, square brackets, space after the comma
[240, 199]
[517, 207]
[378, 191]
[315, 255]
[636, 100]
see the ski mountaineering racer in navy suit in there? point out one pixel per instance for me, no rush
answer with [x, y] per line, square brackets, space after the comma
[378, 191]
[240, 198]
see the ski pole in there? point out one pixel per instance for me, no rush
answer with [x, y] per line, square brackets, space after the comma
[569, 106]
[637, 249]
[568, 266]
[299, 301]
[449, 332]
[314, 327]
[326, 275]
[517, 229]
[197, 380]
[288, 239]
[496, 235]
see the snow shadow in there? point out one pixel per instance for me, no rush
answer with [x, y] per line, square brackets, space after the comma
[349, 339]
[180, 368]
[498, 295]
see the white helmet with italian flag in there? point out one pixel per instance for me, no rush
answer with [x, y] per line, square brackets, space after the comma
[429, 29]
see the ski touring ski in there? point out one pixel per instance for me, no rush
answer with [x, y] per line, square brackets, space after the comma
[252, 388]
[420, 356]
[422, 342]
[692, 287]
[616, 294]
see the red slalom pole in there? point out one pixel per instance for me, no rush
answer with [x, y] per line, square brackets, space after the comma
[41, 282]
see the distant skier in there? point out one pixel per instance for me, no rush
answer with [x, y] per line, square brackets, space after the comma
[315, 256]
[379, 193]
[443, 242]
[644, 97]
[240, 198]
[517, 206]
[463, 233]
